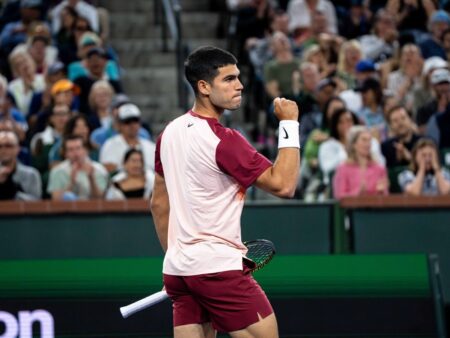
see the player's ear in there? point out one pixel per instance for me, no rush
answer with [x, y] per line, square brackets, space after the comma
[204, 87]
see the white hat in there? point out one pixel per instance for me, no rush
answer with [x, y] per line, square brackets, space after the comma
[439, 76]
[129, 111]
[433, 63]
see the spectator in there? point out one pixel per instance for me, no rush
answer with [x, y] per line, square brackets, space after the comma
[356, 21]
[446, 43]
[433, 46]
[278, 72]
[27, 81]
[77, 125]
[371, 114]
[65, 37]
[100, 99]
[440, 80]
[83, 9]
[382, 43]
[133, 181]
[360, 174]
[77, 177]
[113, 151]
[101, 135]
[397, 149]
[411, 15]
[425, 176]
[96, 60]
[438, 129]
[301, 13]
[17, 181]
[350, 54]
[333, 151]
[315, 55]
[405, 81]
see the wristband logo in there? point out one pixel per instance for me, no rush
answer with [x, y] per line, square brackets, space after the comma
[286, 135]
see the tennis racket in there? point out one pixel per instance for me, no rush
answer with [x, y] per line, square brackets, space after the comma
[260, 252]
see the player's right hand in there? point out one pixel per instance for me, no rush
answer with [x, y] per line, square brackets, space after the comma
[285, 109]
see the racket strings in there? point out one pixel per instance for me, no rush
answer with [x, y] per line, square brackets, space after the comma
[260, 253]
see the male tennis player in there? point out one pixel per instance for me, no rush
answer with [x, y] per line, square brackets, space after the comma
[202, 172]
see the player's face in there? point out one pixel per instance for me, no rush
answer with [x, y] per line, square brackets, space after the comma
[226, 89]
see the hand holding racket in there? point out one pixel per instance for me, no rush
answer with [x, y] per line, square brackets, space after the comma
[260, 252]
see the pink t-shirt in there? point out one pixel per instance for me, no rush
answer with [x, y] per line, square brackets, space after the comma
[349, 178]
[207, 169]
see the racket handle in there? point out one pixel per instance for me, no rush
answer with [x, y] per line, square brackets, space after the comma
[143, 303]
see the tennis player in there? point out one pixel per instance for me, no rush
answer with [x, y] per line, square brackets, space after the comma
[202, 172]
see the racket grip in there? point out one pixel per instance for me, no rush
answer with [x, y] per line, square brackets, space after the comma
[143, 303]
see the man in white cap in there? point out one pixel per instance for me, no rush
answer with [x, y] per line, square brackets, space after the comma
[440, 80]
[113, 151]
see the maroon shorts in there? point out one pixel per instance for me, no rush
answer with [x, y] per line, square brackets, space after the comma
[230, 300]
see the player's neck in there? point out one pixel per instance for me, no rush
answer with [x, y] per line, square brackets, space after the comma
[206, 109]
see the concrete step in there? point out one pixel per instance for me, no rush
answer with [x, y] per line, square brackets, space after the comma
[199, 25]
[129, 25]
[157, 109]
[143, 55]
[152, 80]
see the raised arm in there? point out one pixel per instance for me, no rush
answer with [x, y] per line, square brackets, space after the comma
[160, 208]
[281, 179]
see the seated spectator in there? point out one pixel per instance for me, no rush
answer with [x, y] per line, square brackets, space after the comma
[350, 54]
[433, 46]
[83, 9]
[397, 149]
[360, 174]
[77, 177]
[425, 176]
[17, 181]
[133, 181]
[438, 129]
[333, 151]
[411, 15]
[406, 80]
[100, 135]
[440, 81]
[314, 54]
[26, 82]
[446, 43]
[310, 174]
[65, 37]
[9, 112]
[371, 114]
[114, 149]
[356, 22]
[100, 99]
[86, 42]
[301, 14]
[42, 142]
[382, 43]
[78, 126]
[96, 60]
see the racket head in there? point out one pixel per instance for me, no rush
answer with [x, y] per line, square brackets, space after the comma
[260, 252]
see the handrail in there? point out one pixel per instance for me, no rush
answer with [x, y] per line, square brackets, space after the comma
[395, 201]
[172, 15]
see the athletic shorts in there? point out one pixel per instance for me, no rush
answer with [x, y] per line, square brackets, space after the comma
[230, 300]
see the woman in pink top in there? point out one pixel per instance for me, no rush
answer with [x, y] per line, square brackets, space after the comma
[360, 174]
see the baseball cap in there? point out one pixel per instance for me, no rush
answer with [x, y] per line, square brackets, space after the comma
[55, 67]
[89, 39]
[440, 76]
[440, 16]
[365, 66]
[326, 82]
[129, 111]
[119, 100]
[63, 86]
[30, 3]
[433, 63]
[97, 51]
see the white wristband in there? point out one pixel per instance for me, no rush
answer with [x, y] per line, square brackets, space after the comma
[288, 134]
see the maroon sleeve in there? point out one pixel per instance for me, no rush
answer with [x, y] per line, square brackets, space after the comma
[158, 164]
[236, 157]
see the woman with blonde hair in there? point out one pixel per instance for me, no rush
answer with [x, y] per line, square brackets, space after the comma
[100, 98]
[350, 54]
[360, 174]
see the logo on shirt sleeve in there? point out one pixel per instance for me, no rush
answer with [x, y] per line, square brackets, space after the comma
[190, 124]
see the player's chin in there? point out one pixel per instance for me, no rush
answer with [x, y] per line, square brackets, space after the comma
[235, 103]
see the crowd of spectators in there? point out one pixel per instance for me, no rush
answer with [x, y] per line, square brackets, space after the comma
[67, 130]
[371, 79]
[372, 82]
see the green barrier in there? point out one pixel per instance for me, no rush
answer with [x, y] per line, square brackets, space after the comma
[295, 228]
